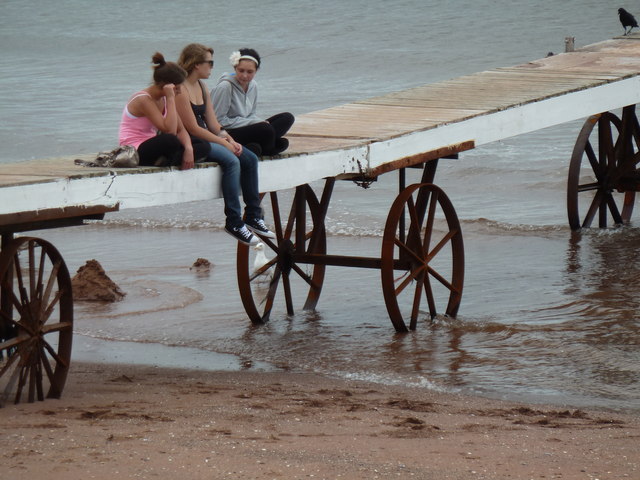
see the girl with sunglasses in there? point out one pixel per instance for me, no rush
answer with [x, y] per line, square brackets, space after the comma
[239, 165]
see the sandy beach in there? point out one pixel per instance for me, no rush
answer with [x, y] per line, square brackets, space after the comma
[131, 421]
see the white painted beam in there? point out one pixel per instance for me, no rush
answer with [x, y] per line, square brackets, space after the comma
[513, 121]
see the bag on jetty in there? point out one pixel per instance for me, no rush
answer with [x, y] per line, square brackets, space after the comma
[123, 156]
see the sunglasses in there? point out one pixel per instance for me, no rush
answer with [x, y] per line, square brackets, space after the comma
[210, 62]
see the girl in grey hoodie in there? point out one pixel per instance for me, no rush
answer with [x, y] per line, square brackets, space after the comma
[235, 98]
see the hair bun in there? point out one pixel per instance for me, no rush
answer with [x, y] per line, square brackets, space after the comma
[158, 59]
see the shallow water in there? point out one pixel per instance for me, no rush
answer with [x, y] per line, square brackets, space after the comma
[545, 316]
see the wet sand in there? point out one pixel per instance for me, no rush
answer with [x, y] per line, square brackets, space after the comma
[134, 421]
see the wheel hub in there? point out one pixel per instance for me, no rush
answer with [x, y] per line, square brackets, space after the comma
[286, 250]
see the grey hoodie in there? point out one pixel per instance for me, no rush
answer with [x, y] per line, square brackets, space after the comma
[233, 107]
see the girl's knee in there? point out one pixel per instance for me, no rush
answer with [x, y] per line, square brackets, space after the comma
[287, 118]
[263, 133]
[248, 159]
[221, 155]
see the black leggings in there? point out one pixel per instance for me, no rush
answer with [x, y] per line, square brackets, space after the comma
[266, 134]
[165, 150]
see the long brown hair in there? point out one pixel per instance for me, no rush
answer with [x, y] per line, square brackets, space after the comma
[192, 55]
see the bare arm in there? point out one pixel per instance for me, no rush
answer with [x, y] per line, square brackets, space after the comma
[185, 112]
[214, 125]
[144, 106]
[188, 159]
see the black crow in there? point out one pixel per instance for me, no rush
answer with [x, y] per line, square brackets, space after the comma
[627, 20]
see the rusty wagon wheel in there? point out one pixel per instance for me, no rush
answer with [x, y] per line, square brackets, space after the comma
[36, 319]
[597, 183]
[422, 237]
[259, 290]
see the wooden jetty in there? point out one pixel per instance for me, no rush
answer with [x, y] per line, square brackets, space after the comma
[369, 136]
[422, 254]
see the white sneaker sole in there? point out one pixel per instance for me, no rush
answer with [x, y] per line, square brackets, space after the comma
[253, 241]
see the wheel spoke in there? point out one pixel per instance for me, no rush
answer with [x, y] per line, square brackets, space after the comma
[43, 259]
[613, 208]
[59, 360]
[431, 301]
[36, 378]
[305, 277]
[270, 244]
[286, 285]
[587, 187]
[271, 293]
[441, 244]
[46, 312]
[606, 145]
[20, 309]
[47, 367]
[32, 273]
[593, 209]
[593, 161]
[51, 283]
[276, 217]
[18, 274]
[291, 219]
[406, 249]
[56, 327]
[31, 378]
[413, 238]
[263, 269]
[417, 297]
[433, 204]
[22, 380]
[440, 279]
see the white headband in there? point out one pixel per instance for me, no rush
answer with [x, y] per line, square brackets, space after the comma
[236, 57]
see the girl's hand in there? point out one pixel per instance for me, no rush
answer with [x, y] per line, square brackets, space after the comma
[237, 148]
[225, 143]
[169, 90]
[187, 159]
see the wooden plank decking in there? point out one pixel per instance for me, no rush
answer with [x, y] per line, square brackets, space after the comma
[370, 136]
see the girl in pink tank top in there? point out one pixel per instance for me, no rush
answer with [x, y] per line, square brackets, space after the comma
[151, 124]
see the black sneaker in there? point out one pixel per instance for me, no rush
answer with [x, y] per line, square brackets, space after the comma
[242, 235]
[257, 225]
[280, 146]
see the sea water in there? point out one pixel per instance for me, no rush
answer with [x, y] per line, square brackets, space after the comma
[545, 316]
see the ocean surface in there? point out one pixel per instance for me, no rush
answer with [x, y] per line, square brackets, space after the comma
[546, 315]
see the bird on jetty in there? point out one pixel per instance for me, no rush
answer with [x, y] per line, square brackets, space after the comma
[260, 261]
[627, 20]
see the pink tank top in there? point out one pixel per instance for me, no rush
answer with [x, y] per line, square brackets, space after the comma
[135, 130]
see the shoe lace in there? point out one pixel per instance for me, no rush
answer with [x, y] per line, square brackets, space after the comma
[244, 233]
[259, 222]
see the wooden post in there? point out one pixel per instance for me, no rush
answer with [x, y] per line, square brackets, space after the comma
[569, 44]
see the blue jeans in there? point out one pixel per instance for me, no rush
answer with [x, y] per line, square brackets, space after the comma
[239, 173]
